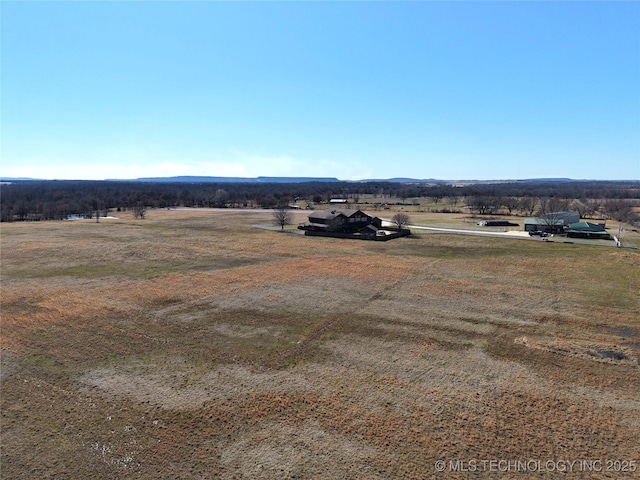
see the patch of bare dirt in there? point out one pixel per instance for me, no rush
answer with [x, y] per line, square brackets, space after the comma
[244, 331]
[429, 366]
[279, 449]
[9, 364]
[618, 354]
[177, 384]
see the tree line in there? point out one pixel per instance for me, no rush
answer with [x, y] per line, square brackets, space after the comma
[59, 200]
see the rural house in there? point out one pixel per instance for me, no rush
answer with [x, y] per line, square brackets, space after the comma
[337, 220]
[348, 223]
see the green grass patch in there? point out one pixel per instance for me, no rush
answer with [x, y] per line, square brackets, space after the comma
[142, 269]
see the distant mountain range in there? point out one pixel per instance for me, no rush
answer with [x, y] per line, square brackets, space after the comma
[17, 179]
[202, 179]
[208, 179]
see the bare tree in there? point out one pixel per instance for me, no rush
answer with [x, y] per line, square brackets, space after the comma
[552, 221]
[621, 211]
[593, 206]
[482, 204]
[96, 209]
[550, 211]
[220, 198]
[453, 200]
[282, 216]
[527, 205]
[139, 210]
[400, 219]
[618, 210]
[510, 203]
[580, 207]
[436, 194]
[552, 205]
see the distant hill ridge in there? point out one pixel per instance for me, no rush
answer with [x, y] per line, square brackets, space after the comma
[209, 179]
[262, 179]
[205, 179]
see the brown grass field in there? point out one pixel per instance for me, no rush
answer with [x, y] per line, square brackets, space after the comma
[190, 345]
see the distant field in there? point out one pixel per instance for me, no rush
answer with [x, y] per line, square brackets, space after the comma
[191, 345]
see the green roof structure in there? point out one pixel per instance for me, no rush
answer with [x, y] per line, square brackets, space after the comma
[587, 230]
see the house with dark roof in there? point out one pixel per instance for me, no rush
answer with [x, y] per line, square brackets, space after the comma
[338, 220]
[349, 223]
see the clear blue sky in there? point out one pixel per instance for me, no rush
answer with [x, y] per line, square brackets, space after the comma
[448, 90]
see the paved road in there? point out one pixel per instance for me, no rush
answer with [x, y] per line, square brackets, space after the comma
[508, 234]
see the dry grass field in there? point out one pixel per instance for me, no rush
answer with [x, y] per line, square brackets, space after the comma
[190, 345]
